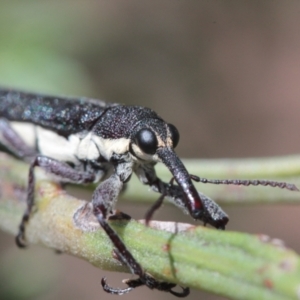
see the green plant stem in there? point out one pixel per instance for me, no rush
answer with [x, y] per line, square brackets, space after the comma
[236, 265]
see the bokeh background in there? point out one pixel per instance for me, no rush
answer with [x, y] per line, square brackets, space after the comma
[225, 72]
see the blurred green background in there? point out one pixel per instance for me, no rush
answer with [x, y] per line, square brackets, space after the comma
[226, 73]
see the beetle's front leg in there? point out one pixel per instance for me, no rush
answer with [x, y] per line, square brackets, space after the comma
[103, 200]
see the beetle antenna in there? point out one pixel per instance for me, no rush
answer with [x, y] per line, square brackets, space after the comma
[280, 184]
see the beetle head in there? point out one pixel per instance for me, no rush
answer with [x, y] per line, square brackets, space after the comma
[151, 135]
[155, 140]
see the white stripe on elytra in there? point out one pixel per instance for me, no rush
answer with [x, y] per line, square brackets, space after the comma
[51, 144]
[26, 131]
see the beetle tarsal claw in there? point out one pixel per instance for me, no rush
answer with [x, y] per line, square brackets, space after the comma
[20, 240]
[148, 281]
[114, 291]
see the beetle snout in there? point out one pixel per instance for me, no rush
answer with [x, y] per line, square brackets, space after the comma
[173, 163]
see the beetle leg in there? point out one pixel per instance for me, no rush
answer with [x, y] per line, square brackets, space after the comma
[103, 200]
[14, 142]
[150, 212]
[63, 170]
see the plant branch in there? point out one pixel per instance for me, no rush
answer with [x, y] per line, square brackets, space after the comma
[236, 265]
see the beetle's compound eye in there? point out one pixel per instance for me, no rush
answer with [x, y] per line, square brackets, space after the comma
[174, 134]
[146, 140]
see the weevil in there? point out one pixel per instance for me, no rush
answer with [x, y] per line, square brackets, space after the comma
[83, 141]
